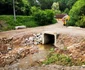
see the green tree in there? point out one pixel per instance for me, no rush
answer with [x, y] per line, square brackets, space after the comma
[22, 7]
[34, 10]
[70, 3]
[45, 4]
[66, 10]
[44, 17]
[6, 7]
[66, 4]
[55, 8]
[76, 12]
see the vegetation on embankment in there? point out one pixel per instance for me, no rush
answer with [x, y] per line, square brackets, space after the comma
[61, 59]
[7, 22]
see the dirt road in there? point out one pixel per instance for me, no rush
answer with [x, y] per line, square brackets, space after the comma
[58, 27]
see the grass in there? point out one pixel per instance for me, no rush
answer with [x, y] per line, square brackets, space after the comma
[8, 21]
[61, 59]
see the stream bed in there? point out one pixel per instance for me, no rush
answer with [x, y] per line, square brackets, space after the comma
[31, 59]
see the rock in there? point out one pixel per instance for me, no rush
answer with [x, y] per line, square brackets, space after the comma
[83, 66]
[36, 43]
[20, 50]
[31, 38]
[9, 48]
[34, 35]
[35, 39]
[27, 40]
[20, 27]
[70, 54]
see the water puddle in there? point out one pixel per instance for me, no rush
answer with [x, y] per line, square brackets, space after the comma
[46, 47]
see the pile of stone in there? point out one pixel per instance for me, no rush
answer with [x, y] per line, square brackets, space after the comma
[35, 39]
[38, 38]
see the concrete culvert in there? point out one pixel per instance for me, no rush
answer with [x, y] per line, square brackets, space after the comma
[49, 38]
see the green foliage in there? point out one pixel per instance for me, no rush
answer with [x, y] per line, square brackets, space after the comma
[76, 12]
[22, 7]
[33, 3]
[81, 22]
[66, 10]
[63, 4]
[58, 59]
[45, 4]
[70, 3]
[7, 21]
[55, 8]
[5, 6]
[77, 7]
[34, 9]
[44, 17]
[61, 59]
[72, 21]
[28, 21]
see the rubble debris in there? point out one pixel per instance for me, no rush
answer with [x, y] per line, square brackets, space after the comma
[35, 39]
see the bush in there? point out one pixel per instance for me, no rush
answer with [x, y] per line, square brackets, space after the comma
[77, 11]
[34, 9]
[58, 59]
[61, 59]
[44, 17]
[66, 10]
[72, 21]
[28, 21]
[81, 22]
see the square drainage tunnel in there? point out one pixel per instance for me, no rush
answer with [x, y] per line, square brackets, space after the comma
[49, 38]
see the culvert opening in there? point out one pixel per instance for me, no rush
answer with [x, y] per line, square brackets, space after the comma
[49, 38]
